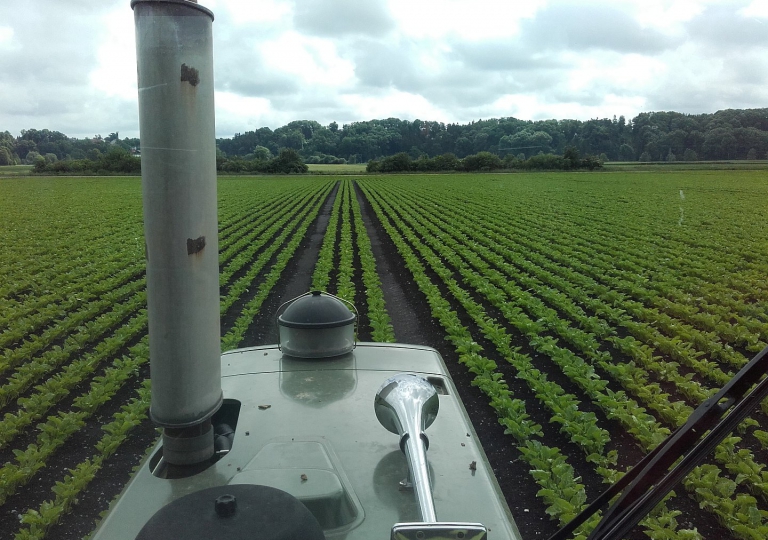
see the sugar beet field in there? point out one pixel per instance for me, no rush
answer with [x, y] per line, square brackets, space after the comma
[582, 316]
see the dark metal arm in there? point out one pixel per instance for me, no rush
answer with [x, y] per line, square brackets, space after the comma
[651, 480]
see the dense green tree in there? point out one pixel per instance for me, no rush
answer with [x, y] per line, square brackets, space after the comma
[288, 161]
[399, 162]
[23, 147]
[626, 152]
[482, 161]
[262, 153]
[33, 157]
[571, 157]
[720, 143]
[5, 157]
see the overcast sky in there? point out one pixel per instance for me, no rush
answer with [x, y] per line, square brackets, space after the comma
[70, 65]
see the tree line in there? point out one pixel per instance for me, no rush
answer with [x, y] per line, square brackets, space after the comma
[651, 136]
[484, 161]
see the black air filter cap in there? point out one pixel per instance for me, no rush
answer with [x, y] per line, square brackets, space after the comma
[316, 310]
[236, 512]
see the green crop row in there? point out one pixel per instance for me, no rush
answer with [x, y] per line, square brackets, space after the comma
[36, 522]
[321, 276]
[345, 286]
[378, 318]
[426, 206]
[235, 335]
[632, 379]
[59, 427]
[560, 489]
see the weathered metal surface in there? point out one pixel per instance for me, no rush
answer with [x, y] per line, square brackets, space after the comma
[309, 427]
[174, 46]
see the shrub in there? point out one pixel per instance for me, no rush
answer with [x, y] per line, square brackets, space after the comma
[546, 162]
[373, 166]
[482, 161]
[288, 161]
[400, 162]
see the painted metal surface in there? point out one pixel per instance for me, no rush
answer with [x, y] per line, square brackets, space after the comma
[309, 427]
[174, 50]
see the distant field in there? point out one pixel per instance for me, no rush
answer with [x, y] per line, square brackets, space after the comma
[15, 170]
[337, 169]
[355, 168]
[741, 164]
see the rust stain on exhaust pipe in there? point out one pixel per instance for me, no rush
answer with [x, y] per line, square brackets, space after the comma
[195, 246]
[190, 75]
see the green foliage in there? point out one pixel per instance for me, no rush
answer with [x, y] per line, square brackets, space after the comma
[590, 298]
[117, 160]
[5, 156]
[397, 163]
[690, 155]
[288, 161]
[482, 161]
[539, 276]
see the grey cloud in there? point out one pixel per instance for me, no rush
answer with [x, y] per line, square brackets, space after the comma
[722, 27]
[46, 51]
[47, 64]
[583, 27]
[396, 65]
[741, 82]
[382, 65]
[240, 66]
[589, 96]
[76, 112]
[334, 18]
[256, 83]
[510, 54]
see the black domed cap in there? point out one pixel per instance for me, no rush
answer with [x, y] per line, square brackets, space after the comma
[316, 310]
[260, 512]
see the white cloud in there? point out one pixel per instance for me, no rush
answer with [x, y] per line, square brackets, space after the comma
[115, 72]
[667, 15]
[236, 114]
[394, 104]
[313, 60]
[71, 66]
[475, 20]
[6, 37]
[248, 12]
[758, 8]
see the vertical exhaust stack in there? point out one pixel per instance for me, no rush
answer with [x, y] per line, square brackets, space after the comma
[174, 49]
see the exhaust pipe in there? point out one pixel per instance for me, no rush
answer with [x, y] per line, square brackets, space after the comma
[174, 50]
